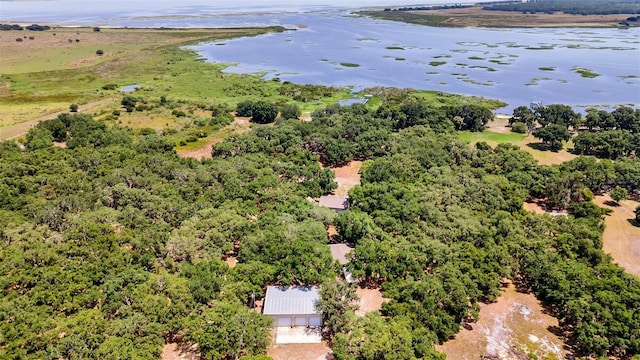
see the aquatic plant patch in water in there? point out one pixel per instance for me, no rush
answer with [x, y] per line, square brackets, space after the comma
[585, 73]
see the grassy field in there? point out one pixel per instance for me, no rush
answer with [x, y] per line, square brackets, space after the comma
[477, 17]
[41, 77]
[621, 236]
[497, 132]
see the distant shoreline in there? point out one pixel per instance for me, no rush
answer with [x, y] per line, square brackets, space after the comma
[476, 16]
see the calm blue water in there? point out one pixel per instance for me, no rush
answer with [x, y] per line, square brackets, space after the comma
[496, 63]
[506, 64]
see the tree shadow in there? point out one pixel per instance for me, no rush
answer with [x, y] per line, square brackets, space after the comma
[634, 222]
[611, 203]
[540, 147]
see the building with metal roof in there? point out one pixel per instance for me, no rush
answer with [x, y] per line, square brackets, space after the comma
[293, 305]
[337, 203]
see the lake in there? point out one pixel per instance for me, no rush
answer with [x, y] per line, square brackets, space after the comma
[515, 65]
[333, 47]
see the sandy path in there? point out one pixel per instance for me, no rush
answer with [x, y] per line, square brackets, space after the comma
[621, 239]
[511, 328]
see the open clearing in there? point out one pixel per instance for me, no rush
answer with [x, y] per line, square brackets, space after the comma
[514, 327]
[621, 238]
[497, 132]
[370, 300]
[347, 177]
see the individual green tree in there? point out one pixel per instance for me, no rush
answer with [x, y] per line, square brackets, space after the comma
[264, 112]
[558, 114]
[523, 114]
[553, 136]
[129, 102]
[228, 331]
[38, 138]
[290, 111]
[471, 117]
[638, 214]
[626, 119]
[338, 303]
[73, 108]
[99, 52]
[618, 193]
[245, 108]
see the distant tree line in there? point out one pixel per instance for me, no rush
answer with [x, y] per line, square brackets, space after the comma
[425, 8]
[604, 134]
[9, 27]
[575, 7]
[33, 27]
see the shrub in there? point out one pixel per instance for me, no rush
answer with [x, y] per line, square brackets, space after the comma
[245, 108]
[146, 131]
[290, 111]
[96, 29]
[19, 39]
[99, 52]
[109, 86]
[73, 107]
[178, 113]
[519, 127]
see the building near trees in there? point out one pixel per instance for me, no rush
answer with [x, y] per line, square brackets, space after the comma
[293, 306]
[337, 203]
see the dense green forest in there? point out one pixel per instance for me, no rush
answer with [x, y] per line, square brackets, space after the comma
[114, 244]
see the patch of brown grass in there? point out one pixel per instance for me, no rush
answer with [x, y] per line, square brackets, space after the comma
[621, 238]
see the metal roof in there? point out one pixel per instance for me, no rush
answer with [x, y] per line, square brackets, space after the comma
[334, 202]
[291, 300]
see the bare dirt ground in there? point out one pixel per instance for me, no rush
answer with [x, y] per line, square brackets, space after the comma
[199, 154]
[347, 176]
[475, 16]
[538, 208]
[320, 351]
[300, 352]
[174, 351]
[370, 300]
[621, 238]
[231, 261]
[514, 327]
[499, 124]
